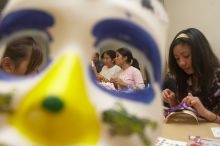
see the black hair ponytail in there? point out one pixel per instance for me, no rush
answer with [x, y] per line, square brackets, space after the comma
[127, 53]
[135, 63]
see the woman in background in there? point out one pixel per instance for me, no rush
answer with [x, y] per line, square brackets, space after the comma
[109, 70]
[130, 76]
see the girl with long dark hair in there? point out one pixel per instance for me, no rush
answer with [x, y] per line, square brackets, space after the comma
[196, 70]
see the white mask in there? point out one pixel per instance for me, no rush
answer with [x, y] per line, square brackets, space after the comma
[62, 104]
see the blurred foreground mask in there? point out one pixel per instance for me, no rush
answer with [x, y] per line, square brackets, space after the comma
[62, 104]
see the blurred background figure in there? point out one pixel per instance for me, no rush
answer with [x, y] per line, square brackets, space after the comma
[130, 77]
[109, 70]
[23, 56]
[97, 63]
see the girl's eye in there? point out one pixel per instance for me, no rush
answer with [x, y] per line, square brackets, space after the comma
[186, 56]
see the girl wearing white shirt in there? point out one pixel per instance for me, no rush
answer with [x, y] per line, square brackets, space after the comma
[109, 70]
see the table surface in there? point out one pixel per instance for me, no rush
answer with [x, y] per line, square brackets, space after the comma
[182, 131]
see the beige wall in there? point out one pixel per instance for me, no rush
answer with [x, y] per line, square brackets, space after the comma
[201, 14]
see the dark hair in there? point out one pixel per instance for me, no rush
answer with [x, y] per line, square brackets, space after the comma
[110, 53]
[204, 61]
[97, 54]
[127, 53]
[18, 49]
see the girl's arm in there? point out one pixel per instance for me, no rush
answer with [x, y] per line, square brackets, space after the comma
[202, 111]
[139, 82]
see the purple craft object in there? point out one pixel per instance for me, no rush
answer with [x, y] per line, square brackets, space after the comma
[179, 107]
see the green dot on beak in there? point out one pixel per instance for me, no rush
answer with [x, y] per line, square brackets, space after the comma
[53, 104]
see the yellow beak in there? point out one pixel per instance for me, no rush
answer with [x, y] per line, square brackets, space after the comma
[58, 110]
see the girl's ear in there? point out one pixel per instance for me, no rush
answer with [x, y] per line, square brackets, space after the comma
[7, 65]
[125, 58]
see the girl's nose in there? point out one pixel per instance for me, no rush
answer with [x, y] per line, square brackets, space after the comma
[182, 63]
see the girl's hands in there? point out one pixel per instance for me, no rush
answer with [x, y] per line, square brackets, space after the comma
[119, 82]
[196, 104]
[169, 97]
[101, 78]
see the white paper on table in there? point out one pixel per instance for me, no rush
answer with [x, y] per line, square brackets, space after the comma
[168, 142]
[216, 131]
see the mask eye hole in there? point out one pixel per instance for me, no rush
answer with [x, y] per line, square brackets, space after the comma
[24, 54]
[131, 83]
[112, 34]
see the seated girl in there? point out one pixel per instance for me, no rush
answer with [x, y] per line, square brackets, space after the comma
[109, 70]
[196, 71]
[22, 56]
[130, 76]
